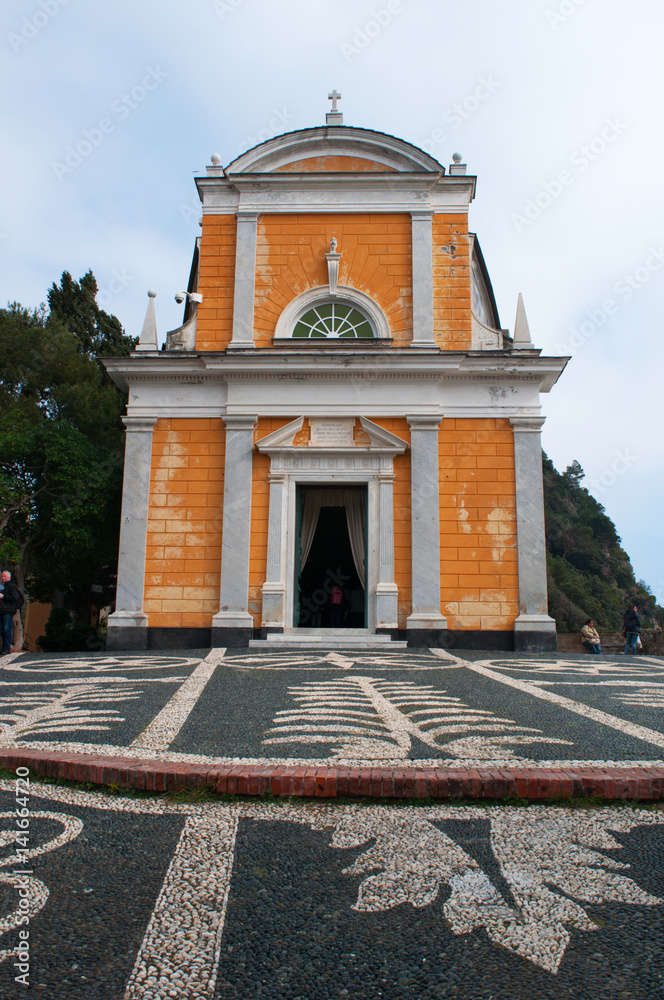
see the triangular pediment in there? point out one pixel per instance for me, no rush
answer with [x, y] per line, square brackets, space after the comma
[379, 439]
[283, 438]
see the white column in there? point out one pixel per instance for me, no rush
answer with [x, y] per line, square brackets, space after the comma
[533, 629]
[129, 612]
[422, 256]
[387, 592]
[245, 281]
[236, 525]
[425, 523]
[274, 588]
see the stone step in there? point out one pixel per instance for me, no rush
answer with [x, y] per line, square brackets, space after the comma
[268, 645]
[326, 639]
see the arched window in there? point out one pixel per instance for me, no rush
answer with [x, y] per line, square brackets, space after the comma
[332, 320]
[315, 315]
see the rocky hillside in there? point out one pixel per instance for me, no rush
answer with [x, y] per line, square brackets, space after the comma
[590, 575]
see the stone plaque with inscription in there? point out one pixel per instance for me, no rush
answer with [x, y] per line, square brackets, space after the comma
[331, 433]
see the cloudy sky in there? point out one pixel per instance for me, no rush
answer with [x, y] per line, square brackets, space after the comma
[556, 105]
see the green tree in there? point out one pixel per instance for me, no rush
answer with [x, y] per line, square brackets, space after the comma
[74, 303]
[61, 445]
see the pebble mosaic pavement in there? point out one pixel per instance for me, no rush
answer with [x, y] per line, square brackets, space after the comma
[148, 899]
[385, 708]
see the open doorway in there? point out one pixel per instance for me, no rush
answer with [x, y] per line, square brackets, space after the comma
[331, 580]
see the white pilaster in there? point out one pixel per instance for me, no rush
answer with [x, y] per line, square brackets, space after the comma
[236, 532]
[387, 592]
[422, 263]
[245, 280]
[274, 588]
[531, 543]
[133, 530]
[425, 522]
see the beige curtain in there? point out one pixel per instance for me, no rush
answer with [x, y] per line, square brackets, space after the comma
[353, 501]
[354, 505]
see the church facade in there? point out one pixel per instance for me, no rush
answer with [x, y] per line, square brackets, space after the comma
[340, 439]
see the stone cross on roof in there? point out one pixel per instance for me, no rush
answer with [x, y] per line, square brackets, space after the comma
[334, 117]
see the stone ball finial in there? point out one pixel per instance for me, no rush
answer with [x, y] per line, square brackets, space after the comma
[152, 294]
[457, 157]
[215, 159]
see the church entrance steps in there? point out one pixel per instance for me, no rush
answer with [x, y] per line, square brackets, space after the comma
[327, 638]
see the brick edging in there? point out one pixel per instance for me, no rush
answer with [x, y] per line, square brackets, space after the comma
[640, 784]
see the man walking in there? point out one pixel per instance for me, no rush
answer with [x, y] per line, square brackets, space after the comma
[11, 600]
[632, 624]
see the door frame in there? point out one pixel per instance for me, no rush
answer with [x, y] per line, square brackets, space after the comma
[297, 554]
[292, 465]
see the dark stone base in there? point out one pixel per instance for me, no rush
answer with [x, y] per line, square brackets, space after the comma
[157, 638]
[126, 638]
[262, 632]
[466, 639]
[232, 637]
[201, 638]
[535, 642]
[178, 638]
[394, 633]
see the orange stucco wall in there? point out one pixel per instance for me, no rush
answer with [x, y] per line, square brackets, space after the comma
[182, 570]
[333, 164]
[216, 282]
[376, 259]
[451, 282]
[479, 578]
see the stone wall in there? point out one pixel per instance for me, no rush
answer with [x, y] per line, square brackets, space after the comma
[613, 642]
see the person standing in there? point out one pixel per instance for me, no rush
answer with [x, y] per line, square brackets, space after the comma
[632, 624]
[10, 602]
[336, 600]
[590, 637]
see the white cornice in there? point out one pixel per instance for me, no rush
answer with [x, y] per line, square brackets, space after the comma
[334, 192]
[285, 364]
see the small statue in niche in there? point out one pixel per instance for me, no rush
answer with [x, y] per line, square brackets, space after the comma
[333, 245]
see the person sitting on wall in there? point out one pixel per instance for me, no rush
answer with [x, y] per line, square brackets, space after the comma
[590, 637]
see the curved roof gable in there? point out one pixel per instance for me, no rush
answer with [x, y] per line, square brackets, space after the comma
[328, 149]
